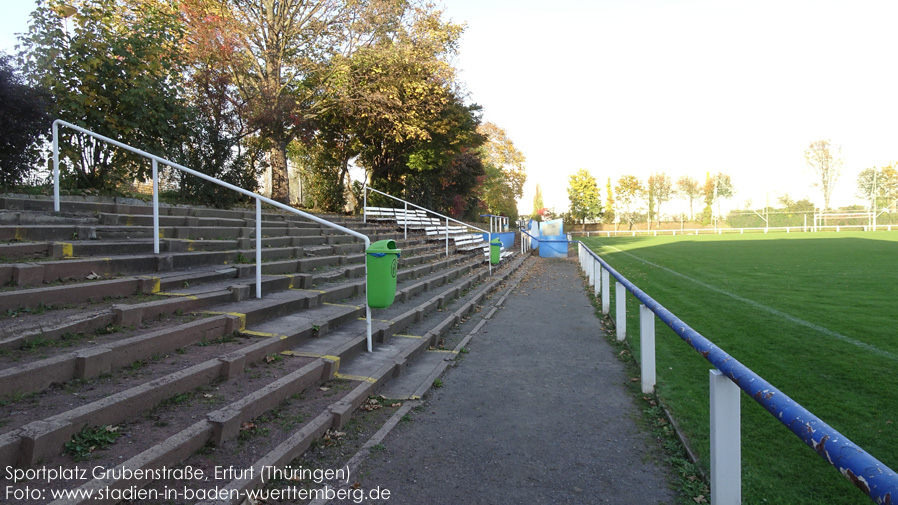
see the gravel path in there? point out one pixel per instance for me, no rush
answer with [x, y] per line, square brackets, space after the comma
[536, 413]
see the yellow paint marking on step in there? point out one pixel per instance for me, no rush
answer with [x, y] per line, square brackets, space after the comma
[445, 351]
[341, 305]
[361, 378]
[381, 320]
[407, 336]
[67, 250]
[183, 295]
[20, 234]
[262, 334]
[238, 315]
[157, 283]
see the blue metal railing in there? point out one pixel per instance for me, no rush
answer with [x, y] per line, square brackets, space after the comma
[867, 473]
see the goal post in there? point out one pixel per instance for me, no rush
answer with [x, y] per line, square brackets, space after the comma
[837, 221]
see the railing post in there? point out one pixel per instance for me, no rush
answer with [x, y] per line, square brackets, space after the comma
[726, 445]
[647, 349]
[405, 222]
[55, 167]
[365, 200]
[620, 320]
[596, 275]
[447, 237]
[606, 291]
[258, 248]
[155, 207]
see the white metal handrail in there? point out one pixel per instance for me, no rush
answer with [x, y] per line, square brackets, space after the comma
[259, 199]
[366, 189]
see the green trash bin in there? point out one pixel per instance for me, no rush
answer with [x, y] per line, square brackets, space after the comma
[382, 260]
[495, 251]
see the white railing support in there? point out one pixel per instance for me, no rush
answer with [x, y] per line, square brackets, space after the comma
[258, 248]
[596, 274]
[606, 291]
[365, 199]
[250, 194]
[155, 207]
[726, 446]
[647, 348]
[620, 320]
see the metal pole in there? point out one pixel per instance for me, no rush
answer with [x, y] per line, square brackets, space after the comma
[258, 248]
[405, 222]
[365, 199]
[155, 207]
[447, 237]
[726, 446]
[647, 349]
[55, 167]
[367, 307]
[606, 291]
[620, 302]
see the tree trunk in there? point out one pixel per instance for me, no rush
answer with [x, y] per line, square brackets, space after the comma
[280, 183]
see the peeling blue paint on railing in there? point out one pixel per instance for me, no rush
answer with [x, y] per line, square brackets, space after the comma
[863, 470]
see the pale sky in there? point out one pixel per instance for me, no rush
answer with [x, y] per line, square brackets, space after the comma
[685, 87]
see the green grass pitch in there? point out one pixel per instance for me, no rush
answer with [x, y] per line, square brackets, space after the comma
[813, 313]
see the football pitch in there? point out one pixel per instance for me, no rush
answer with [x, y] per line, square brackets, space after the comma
[812, 313]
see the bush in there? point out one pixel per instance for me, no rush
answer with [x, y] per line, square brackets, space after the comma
[24, 121]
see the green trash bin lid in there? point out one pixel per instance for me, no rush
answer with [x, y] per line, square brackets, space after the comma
[381, 248]
[495, 241]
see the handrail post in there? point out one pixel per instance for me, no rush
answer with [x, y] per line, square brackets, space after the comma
[447, 237]
[55, 167]
[258, 248]
[726, 446]
[606, 291]
[405, 221]
[596, 276]
[155, 207]
[647, 349]
[365, 199]
[620, 302]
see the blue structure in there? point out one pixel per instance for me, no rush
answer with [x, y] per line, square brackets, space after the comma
[552, 241]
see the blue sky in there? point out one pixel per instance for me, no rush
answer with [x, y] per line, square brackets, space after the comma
[681, 87]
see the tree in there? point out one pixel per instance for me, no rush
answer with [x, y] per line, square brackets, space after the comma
[119, 74]
[280, 54]
[879, 186]
[659, 189]
[538, 205]
[628, 190]
[505, 174]
[689, 189]
[723, 189]
[608, 214]
[583, 193]
[826, 165]
[23, 122]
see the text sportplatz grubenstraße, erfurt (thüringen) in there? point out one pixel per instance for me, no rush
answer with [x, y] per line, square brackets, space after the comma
[193, 483]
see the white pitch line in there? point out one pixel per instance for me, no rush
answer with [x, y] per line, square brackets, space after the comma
[816, 327]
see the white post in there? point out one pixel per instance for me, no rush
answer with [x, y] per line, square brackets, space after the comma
[726, 446]
[405, 230]
[365, 200]
[55, 167]
[606, 291]
[596, 275]
[647, 349]
[155, 207]
[620, 302]
[447, 237]
[258, 248]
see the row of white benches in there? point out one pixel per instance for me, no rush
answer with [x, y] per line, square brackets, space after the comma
[434, 228]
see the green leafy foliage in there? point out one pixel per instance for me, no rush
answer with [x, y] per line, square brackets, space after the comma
[90, 439]
[23, 123]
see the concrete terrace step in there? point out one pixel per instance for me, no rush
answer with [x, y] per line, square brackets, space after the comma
[223, 426]
[175, 349]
